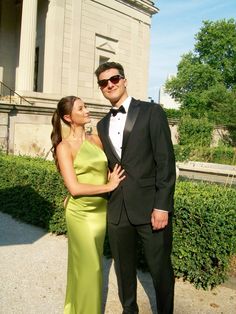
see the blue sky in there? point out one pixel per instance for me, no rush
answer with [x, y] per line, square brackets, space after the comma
[173, 30]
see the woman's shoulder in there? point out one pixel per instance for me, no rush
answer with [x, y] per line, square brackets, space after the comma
[94, 138]
[63, 147]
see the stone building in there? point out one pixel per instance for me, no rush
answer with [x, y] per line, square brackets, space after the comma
[50, 48]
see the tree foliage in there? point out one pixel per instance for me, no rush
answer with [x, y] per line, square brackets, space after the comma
[206, 78]
[216, 46]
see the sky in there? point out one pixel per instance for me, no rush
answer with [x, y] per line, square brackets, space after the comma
[173, 30]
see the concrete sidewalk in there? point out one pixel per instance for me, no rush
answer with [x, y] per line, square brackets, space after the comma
[33, 278]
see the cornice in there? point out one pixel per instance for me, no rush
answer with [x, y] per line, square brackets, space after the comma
[146, 6]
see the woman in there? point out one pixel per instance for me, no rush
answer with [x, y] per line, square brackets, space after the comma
[83, 166]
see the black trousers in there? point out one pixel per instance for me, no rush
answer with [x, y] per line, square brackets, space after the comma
[157, 248]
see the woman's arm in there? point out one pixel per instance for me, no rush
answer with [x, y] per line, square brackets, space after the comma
[65, 161]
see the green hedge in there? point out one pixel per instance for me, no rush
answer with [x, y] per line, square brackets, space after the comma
[221, 154]
[204, 232]
[32, 190]
[173, 113]
[204, 220]
[195, 131]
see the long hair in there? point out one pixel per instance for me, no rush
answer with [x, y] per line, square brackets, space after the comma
[64, 107]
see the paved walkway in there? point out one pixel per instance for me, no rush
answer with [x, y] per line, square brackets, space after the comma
[33, 277]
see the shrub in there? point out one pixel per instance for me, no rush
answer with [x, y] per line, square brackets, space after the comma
[204, 220]
[232, 134]
[204, 232]
[197, 132]
[32, 190]
[182, 152]
[220, 154]
[173, 113]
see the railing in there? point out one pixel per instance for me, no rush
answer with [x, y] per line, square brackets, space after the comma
[8, 94]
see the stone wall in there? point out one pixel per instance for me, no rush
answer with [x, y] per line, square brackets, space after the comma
[26, 129]
[3, 130]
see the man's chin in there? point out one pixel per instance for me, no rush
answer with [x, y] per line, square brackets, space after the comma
[112, 98]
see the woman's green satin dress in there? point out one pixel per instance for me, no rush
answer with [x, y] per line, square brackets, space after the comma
[86, 225]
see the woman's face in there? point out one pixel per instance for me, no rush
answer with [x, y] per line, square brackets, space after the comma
[79, 114]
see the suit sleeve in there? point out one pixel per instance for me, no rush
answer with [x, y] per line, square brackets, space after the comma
[164, 158]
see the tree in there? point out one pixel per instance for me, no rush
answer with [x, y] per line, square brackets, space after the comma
[216, 46]
[206, 78]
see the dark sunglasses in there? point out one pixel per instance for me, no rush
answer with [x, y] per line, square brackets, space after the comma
[113, 79]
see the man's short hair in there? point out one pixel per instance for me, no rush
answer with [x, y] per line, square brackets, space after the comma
[109, 65]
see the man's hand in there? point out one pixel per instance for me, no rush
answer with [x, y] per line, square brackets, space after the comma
[159, 219]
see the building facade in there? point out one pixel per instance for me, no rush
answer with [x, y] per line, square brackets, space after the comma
[51, 48]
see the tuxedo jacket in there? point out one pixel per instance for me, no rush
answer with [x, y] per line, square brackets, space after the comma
[148, 160]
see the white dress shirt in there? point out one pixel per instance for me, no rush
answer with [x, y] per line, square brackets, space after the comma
[117, 125]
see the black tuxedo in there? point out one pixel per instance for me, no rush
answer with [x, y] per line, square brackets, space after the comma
[148, 160]
[149, 163]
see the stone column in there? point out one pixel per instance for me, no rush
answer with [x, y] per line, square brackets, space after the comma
[54, 43]
[25, 79]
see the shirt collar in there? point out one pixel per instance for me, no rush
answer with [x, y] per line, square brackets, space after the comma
[126, 103]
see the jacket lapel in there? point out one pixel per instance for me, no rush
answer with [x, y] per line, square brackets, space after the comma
[106, 136]
[130, 121]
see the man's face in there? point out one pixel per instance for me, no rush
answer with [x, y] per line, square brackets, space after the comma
[115, 92]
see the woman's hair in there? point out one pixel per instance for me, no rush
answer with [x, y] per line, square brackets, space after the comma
[64, 107]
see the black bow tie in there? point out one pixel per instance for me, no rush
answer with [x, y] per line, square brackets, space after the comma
[114, 111]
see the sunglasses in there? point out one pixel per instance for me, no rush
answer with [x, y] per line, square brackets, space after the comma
[113, 79]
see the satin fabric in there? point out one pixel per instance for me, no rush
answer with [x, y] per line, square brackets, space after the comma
[86, 225]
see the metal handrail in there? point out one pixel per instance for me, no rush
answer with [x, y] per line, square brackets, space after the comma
[12, 93]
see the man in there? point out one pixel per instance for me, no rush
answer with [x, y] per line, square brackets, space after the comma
[136, 135]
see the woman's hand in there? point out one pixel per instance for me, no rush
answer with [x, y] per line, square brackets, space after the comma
[115, 177]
